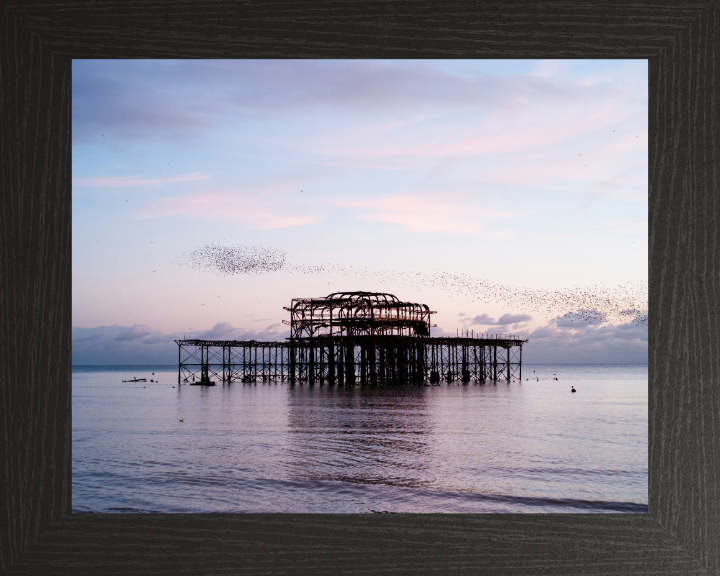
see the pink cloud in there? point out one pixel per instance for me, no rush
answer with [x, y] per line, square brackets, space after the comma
[512, 131]
[443, 212]
[132, 181]
[255, 211]
[546, 128]
[598, 164]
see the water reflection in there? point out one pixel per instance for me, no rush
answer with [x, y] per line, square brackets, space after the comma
[259, 447]
[374, 435]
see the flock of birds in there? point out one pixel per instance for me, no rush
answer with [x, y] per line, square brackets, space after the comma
[231, 260]
[596, 304]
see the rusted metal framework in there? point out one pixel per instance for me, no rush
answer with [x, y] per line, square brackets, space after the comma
[353, 314]
[227, 360]
[354, 338]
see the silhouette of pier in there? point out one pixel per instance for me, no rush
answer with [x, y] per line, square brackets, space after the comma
[355, 338]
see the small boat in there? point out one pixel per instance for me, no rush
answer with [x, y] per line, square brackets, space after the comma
[136, 380]
[202, 383]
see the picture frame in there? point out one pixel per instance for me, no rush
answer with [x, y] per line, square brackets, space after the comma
[38, 532]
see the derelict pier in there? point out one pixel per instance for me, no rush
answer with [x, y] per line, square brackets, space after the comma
[354, 338]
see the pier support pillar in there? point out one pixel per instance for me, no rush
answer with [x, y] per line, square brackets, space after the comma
[495, 363]
[293, 365]
[331, 363]
[350, 363]
[508, 363]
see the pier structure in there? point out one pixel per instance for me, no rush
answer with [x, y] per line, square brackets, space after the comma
[355, 338]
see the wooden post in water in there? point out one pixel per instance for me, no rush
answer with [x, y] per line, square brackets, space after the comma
[363, 364]
[311, 363]
[508, 362]
[350, 363]
[520, 367]
[331, 361]
[292, 361]
[495, 363]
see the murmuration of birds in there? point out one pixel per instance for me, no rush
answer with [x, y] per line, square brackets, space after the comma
[589, 304]
[231, 260]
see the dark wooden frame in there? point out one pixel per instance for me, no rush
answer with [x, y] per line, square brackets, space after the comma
[39, 535]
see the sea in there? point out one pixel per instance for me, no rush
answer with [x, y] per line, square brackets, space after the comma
[529, 446]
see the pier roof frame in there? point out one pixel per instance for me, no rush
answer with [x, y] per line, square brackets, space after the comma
[358, 313]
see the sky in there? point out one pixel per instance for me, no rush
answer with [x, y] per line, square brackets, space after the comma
[508, 195]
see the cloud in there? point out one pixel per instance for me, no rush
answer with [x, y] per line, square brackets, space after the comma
[150, 100]
[591, 344]
[514, 318]
[253, 209]
[639, 316]
[138, 344]
[483, 320]
[439, 332]
[113, 101]
[133, 333]
[514, 322]
[159, 339]
[221, 331]
[580, 319]
[564, 342]
[425, 212]
[133, 181]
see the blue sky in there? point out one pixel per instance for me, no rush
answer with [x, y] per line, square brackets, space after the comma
[428, 178]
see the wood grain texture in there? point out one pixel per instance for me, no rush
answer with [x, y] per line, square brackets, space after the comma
[680, 535]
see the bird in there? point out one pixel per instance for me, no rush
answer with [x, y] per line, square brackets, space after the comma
[181, 420]
[596, 304]
[572, 389]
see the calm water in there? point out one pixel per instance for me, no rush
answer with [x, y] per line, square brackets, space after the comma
[520, 447]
